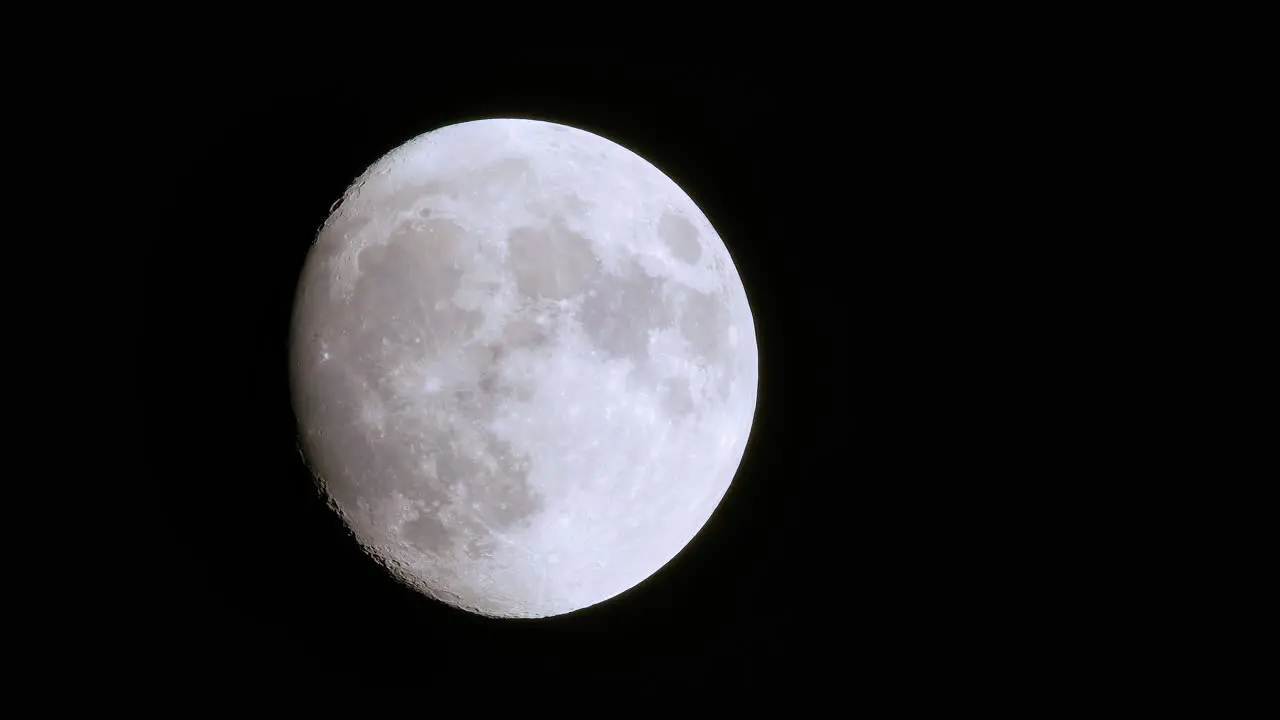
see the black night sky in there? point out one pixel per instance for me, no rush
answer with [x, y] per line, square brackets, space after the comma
[918, 220]
[264, 575]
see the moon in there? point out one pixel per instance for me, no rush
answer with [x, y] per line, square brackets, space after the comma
[523, 366]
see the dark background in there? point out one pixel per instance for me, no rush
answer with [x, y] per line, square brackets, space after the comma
[924, 224]
[259, 575]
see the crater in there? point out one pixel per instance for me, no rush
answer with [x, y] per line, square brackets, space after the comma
[681, 237]
[427, 532]
[362, 469]
[499, 177]
[342, 226]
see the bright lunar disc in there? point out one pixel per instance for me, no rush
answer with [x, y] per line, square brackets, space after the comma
[523, 366]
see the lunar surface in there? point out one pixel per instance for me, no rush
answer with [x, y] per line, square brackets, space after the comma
[523, 366]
